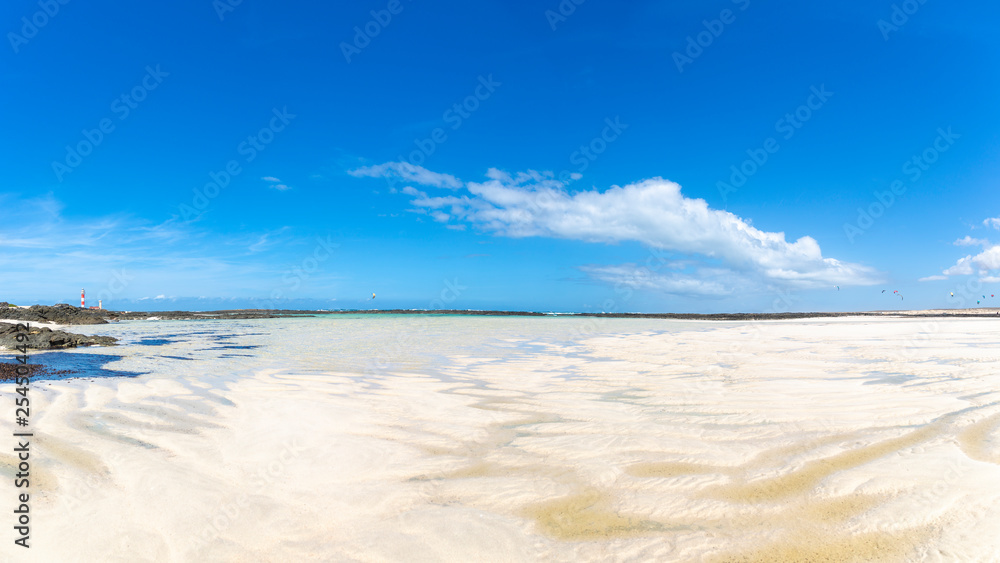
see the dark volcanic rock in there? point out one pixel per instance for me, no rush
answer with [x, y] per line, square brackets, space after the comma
[200, 315]
[42, 338]
[9, 371]
[61, 314]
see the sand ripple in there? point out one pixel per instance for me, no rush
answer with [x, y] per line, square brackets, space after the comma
[533, 439]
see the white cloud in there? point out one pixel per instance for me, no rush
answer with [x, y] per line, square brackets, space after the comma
[706, 282]
[988, 259]
[652, 212]
[961, 268]
[982, 263]
[409, 173]
[933, 278]
[986, 264]
[275, 183]
[969, 241]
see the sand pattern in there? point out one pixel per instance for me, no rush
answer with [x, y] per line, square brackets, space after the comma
[530, 439]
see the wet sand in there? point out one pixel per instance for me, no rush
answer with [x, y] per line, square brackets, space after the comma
[847, 439]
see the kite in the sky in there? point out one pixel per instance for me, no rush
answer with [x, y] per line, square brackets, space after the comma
[373, 296]
[883, 291]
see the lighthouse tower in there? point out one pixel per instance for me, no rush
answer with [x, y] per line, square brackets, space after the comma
[83, 303]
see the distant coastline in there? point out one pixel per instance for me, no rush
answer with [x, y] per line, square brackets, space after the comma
[70, 315]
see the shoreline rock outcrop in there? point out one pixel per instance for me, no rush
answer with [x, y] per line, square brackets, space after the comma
[60, 314]
[44, 338]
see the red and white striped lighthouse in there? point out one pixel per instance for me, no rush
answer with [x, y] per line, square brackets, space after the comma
[83, 304]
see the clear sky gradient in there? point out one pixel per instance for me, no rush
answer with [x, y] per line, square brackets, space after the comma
[744, 155]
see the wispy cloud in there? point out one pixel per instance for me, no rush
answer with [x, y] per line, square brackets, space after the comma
[409, 173]
[933, 278]
[705, 282]
[969, 241]
[992, 222]
[275, 183]
[267, 240]
[45, 256]
[652, 212]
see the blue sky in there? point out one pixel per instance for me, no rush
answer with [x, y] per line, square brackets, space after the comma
[717, 156]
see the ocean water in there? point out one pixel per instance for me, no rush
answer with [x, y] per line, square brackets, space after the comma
[443, 438]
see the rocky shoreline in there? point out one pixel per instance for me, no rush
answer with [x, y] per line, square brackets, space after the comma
[59, 314]
[44, 338]
[8, 371]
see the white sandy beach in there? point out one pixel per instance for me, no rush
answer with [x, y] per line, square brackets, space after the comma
[499, 439]
[53, 326]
